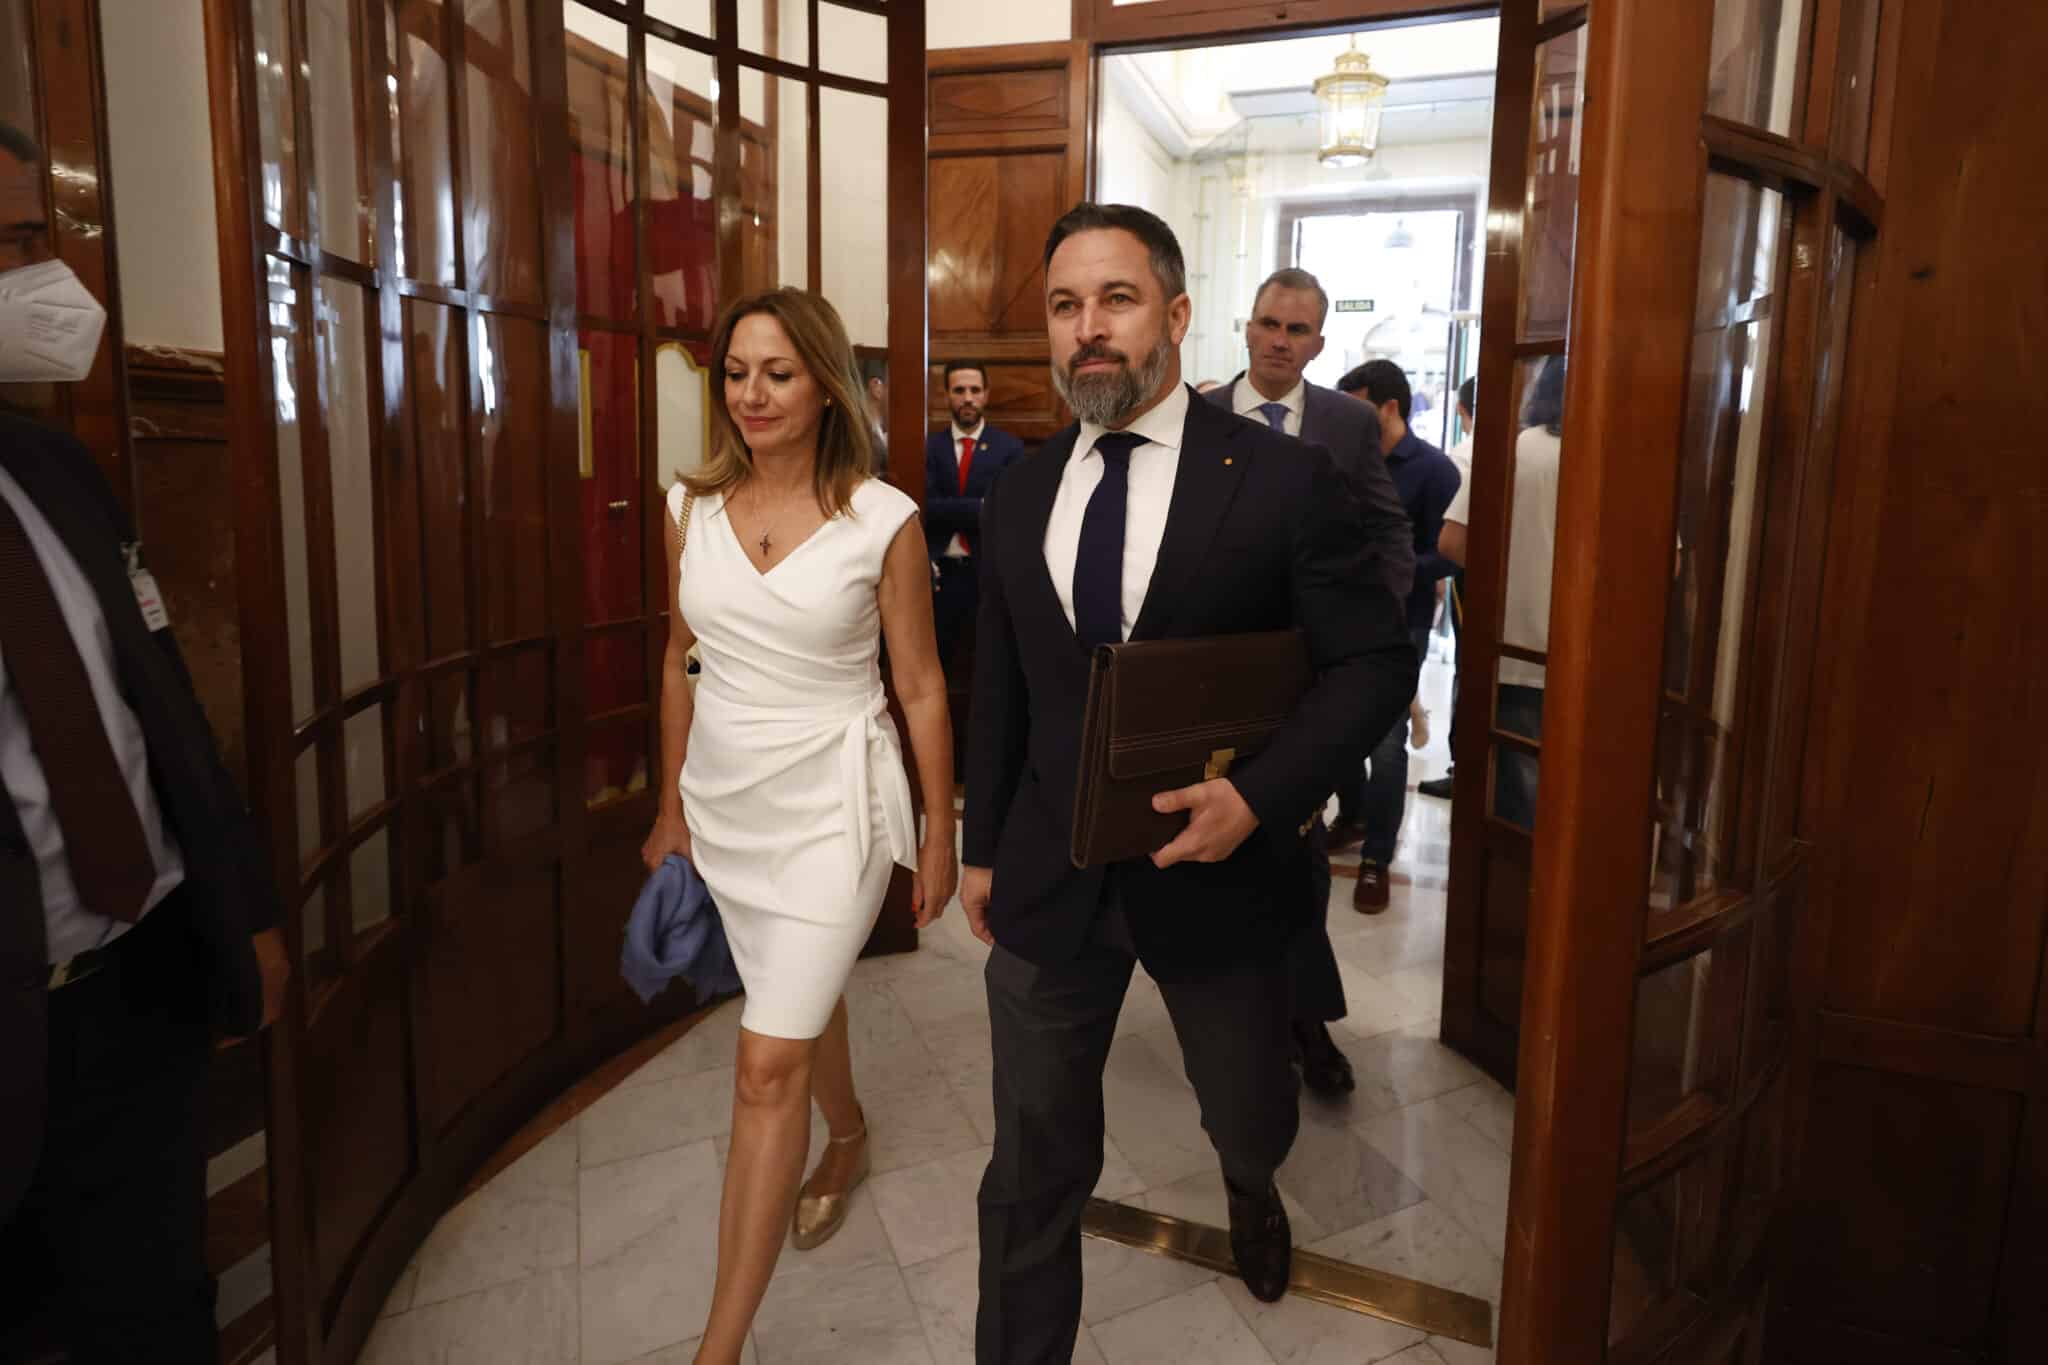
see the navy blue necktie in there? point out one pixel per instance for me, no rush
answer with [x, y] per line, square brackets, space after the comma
[1276, 416]
[1099, 558]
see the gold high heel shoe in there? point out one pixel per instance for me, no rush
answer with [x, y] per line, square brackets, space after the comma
[818, 1216]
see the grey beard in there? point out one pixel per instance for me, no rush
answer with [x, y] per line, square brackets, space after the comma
[1109, 399]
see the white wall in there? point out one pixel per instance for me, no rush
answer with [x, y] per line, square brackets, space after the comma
[1134, 168]
[980, 23]
[1232, 246]
[161, 164]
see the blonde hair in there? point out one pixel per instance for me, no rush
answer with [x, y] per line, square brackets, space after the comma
[845, 443]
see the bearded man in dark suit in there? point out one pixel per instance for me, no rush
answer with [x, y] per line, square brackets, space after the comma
[1154, 517]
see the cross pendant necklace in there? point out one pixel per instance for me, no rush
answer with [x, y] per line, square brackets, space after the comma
[764, 545]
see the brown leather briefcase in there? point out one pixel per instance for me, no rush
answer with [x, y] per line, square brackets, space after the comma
[1165, 714]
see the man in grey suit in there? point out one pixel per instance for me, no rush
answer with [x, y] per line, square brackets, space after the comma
[1286, 333]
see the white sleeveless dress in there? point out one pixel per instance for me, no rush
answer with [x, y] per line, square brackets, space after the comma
[793, 786]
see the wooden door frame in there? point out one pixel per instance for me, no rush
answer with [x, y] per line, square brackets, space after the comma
[325, 1312]
[1648, 151]
[1477, 838]
[1643, 164]
[69, 122]
[1186, 23]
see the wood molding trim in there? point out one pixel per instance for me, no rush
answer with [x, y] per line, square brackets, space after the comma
[1633, 304]
[2014, 1065]
[1188, 22]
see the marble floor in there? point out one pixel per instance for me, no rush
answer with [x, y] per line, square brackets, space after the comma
[597, 1245]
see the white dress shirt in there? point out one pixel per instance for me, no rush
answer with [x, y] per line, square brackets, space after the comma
[1153, 467]
[1460, 509]
[956, 548]
[70, 926]
[1532, 549]
[1246, 401]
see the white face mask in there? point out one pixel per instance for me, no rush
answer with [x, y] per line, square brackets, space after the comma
[50, 325]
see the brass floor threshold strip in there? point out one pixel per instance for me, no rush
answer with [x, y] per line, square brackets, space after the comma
[1323, 1279]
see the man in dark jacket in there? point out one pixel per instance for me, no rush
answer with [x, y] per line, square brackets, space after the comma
[1284, 335]
[960, 466]
[136, 909]
[1153, 517]
[1427, 480]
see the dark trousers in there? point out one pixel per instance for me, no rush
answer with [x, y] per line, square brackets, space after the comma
[1383, 795]
[1455, 595]
[1312, 962]
[1050, 1029]
[953, 607]
[1520, 712]
[113, 1226]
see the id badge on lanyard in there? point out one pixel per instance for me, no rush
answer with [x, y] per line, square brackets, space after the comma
[147, 595]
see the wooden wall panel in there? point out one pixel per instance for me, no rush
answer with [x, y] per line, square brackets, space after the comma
[464, 1046]
[358, 1148]
[1920, 1160]
[1029, 100]
[184, 514]
[965, 194]
[1007, 156]
[1906, 1217]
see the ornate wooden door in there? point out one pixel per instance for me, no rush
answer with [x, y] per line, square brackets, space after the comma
[472, 253]
[1678, 211]
[408, 605]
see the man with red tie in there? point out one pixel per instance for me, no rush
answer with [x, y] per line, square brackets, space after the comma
[960, 466]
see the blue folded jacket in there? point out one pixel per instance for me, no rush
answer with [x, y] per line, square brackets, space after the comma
[675, 931]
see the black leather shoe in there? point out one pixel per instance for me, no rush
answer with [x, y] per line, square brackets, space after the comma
[1348, 831]
[1324, 1070]
[1261, 1241]
[1439, 787]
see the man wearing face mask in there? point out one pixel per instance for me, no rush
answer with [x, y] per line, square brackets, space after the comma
[136, 909]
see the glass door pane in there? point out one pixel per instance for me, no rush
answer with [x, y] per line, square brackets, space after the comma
[424, 191]
[601, 156]
[853, 157]
[1719, 522]
[679, 120]
[1755, 73]
[501, 193]
[340, 206]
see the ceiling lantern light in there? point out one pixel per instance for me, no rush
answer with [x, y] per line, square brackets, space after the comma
[1351, 98]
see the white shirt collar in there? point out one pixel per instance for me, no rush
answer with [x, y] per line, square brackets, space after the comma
[1245, 400]
[974, 435]
[1164, 424]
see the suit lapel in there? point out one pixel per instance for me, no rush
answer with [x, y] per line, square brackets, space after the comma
[1211, 467]
[1224, 396]
[1028, 495]
[1312, 411]
[84, 533]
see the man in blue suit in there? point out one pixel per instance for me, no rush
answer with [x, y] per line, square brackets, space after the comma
[960, 466]
[1286, 333]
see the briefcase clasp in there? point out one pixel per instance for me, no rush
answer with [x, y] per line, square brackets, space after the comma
[1218, 764]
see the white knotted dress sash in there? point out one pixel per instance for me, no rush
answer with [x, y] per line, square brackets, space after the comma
[872, 789]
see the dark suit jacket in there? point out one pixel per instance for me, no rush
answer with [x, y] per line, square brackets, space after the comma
[1261, 534]
[227, 877]
[949, 508]
[1350, 431]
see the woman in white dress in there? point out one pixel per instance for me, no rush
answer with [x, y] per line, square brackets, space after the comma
[782, 777]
